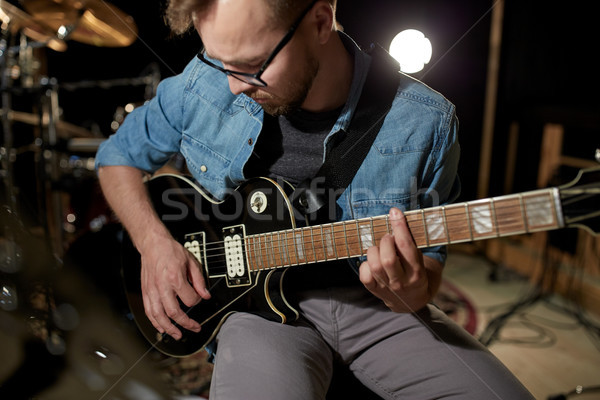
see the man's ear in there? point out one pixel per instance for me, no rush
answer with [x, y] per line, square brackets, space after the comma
[323, 16]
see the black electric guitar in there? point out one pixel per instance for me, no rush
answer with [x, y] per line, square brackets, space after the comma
[246, 243]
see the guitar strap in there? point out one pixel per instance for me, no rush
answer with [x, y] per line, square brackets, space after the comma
[351, 147]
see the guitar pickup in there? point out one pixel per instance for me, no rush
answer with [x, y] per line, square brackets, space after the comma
[235, 256]
[195, 243]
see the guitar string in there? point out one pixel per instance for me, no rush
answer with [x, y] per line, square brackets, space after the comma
[454, 213]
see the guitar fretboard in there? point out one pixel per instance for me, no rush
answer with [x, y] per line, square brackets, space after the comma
[456, 223]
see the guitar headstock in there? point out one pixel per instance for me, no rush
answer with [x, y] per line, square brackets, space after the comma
[580, 201]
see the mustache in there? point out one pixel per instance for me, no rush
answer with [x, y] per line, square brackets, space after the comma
[258, 95]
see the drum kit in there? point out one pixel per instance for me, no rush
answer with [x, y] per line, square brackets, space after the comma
[50, 200]
[58, 152]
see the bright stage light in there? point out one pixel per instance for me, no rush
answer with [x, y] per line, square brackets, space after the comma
[412, 50]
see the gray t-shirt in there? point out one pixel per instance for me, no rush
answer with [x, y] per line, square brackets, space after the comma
[290, 147]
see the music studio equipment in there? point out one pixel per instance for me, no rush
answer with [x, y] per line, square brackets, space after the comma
[59, 333]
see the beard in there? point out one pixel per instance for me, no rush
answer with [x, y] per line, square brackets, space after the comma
[295, 91]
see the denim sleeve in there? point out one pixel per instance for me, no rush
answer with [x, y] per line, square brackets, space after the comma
[152, 132]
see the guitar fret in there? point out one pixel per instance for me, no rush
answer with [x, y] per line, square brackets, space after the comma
[298, 240]
[283, 249]
[434, 226]
[275, 248]
[334, 242]
[495, 219]
[323, 244]
[445, 223]
[302, 231]
[375, 243]
[289, 242]
[481, 219]
[333, 239]
[424, 227]
[541, 210]
[320, 247]
[523, 212]
[260, 252]
[509, 215]
[275, 262]
[280, 250]
[257, 252]
[328, 242]
[268, 254]
[312, 241]
[468, 212]
[458, 226]
[256, 259]
[291, 239]
[289, 250]
[265, 250]
[359, 236]
[346, 240]
[367, 234]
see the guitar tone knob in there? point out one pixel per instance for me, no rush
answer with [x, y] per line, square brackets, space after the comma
[258, 202]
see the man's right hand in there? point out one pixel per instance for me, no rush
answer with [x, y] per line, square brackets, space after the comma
[169, 271]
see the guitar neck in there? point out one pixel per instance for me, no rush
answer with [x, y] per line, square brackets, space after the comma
[508, 215]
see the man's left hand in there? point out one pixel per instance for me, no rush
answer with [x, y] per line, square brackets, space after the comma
[397, 272]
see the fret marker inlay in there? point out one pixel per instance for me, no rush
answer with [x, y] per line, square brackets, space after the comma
[329, 242]
[366, 237]
[435, 225]
[299, 246]
[539, 212]
[482, 219]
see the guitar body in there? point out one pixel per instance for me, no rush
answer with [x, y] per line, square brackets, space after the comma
[205, 226]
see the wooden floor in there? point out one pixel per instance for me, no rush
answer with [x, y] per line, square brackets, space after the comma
[543, 345]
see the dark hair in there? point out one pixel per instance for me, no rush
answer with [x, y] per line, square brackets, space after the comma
[178, 13]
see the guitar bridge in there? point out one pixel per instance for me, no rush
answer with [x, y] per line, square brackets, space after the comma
[235, 256]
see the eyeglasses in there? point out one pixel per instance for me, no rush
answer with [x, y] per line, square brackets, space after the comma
[254, 79]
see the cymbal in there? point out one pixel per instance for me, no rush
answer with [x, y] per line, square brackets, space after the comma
[16, 20]
[92, 22]
[63, 128]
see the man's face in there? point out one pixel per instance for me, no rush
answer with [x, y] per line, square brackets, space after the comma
[240, 34]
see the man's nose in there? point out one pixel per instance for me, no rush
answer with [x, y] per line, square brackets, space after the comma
[237, 87]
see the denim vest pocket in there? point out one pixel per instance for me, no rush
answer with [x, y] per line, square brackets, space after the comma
[208, 167]
[378, 207]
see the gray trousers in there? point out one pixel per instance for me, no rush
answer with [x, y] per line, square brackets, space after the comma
[424, 355]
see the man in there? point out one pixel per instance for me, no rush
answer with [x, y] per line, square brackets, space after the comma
[253, 104]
